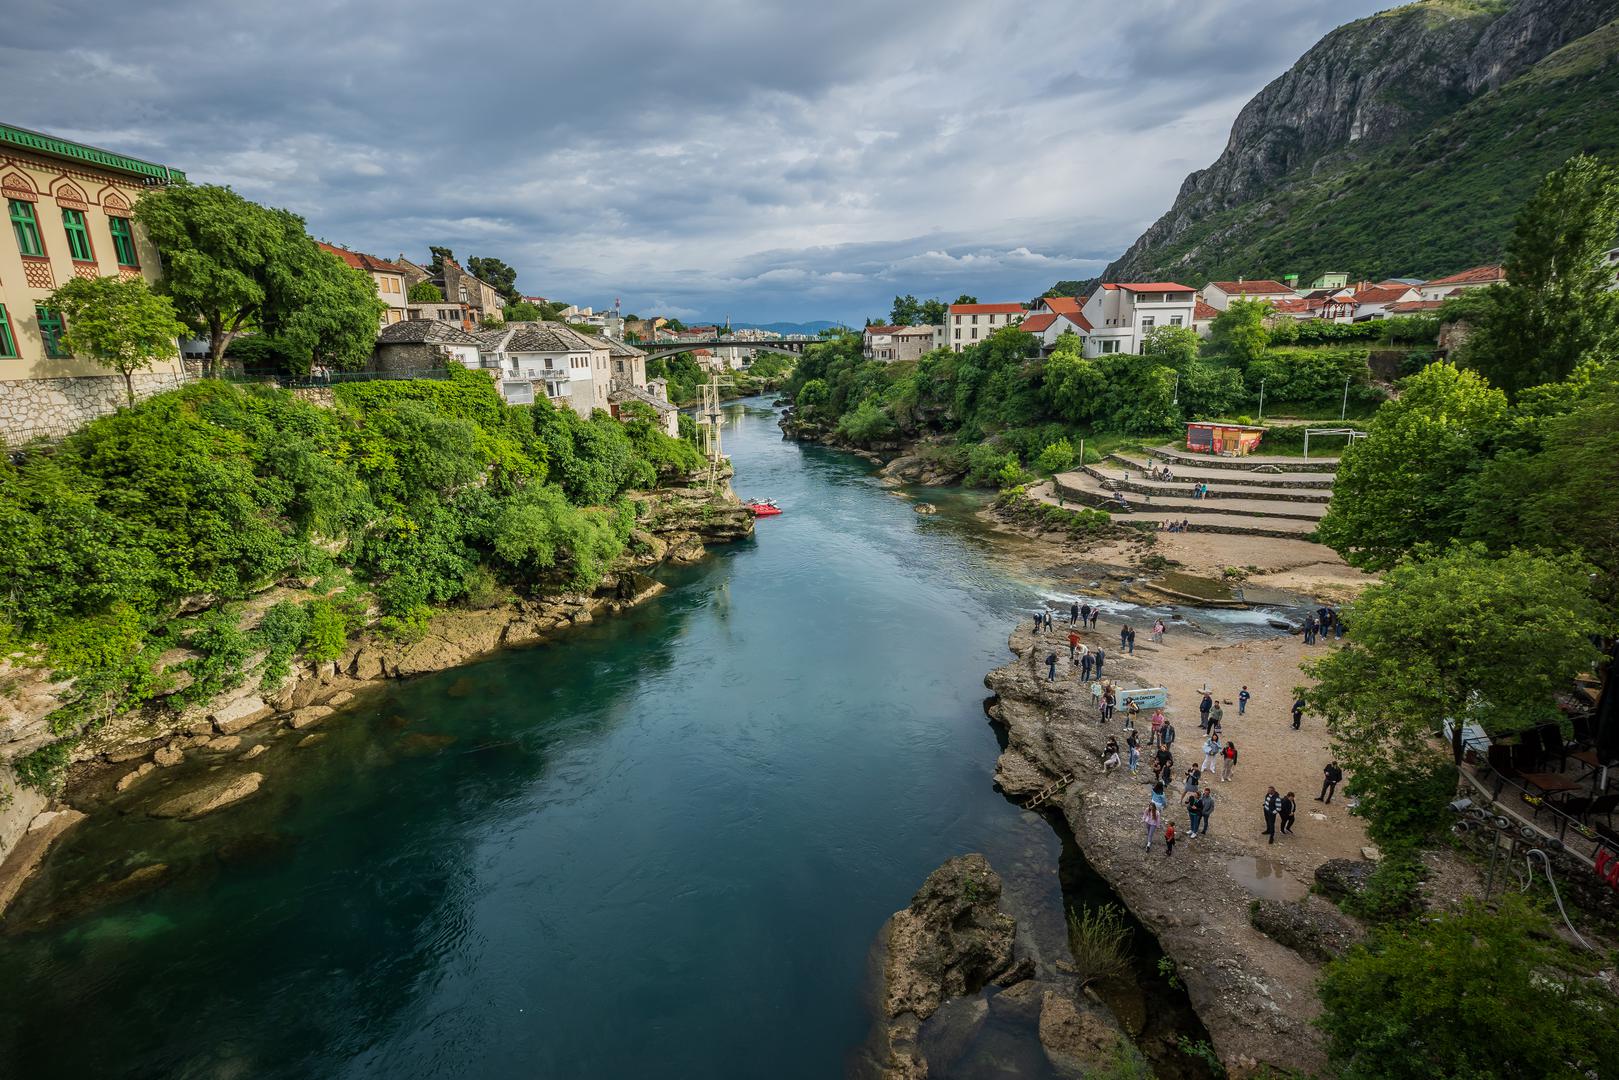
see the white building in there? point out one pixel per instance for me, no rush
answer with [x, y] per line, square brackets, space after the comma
[1048, 326]
[1375, 302]
[968, 324]
[1219, 294]
[893, 343]
[575, 369]
[1120, 314]
[1479, 277]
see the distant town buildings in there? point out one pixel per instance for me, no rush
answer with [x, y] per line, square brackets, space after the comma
[896, 342]
[392, 280]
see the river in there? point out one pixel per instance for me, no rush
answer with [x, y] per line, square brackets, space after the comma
[660, 847]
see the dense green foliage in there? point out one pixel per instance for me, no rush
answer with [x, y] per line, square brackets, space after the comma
[1429, 204]
[1467, 995]
[1008, 407]
[230, 265]
[120, 323]
[426, 492]
[1557, 309]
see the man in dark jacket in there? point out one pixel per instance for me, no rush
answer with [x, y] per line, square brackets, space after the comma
[1051, 667]
[1298, 712]
[1272, 806]
[1203, 708]
[1329, 781]
[1101, 655]
[1207, 805]
[1167, 736]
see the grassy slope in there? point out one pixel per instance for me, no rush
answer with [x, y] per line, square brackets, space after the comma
[1441, 204]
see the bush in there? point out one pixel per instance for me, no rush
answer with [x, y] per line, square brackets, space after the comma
[1056, 457]
[281, 631]
[326, 631]
[986, 465]
[1099, 939]
[44, 769]
[868, 423]
[1467, 995]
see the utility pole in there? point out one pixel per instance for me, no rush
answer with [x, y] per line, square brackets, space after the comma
[1261, 399]
[1344, 411]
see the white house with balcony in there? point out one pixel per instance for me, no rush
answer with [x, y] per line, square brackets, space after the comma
[1121, 313]
[574, 369]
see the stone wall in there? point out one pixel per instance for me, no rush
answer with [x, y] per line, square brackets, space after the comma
[397, 358]
[55, 408]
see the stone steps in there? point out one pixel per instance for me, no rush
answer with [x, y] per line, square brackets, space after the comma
[1191, 475]
[1084, 487]
[1183, 459]
[1135, 480]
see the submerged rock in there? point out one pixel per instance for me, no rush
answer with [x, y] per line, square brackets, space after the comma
[952, 940]
[240, 714]
[926, 508]
[214, 795]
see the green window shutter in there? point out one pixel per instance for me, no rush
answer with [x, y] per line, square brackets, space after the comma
[78, 237]
[8, 344]
[50, 328]
[26, 228]
[123, 241]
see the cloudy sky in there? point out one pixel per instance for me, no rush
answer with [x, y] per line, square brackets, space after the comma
[700, 158]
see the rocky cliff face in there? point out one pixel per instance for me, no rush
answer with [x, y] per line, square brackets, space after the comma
[1376, 83]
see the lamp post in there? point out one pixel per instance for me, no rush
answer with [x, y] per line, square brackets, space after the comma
[1261, 399]
[1343, 412]
[1175, 395]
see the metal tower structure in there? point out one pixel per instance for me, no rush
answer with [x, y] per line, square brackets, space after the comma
[709, 421]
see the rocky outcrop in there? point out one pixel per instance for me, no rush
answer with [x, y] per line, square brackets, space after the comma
[952, 940]
[1076, 1038]
[1340, 879]
[1376, 82]
[1254, 994]
[1310, 927]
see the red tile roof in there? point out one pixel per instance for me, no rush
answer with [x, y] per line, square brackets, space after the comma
[986, 309]
[1062, 305]
[1202, 311]
[1150, 286]
[1380, 295]
[1475, 276]
[361, 261]
[1038, 324]
[1290, 305]
[1078, 319]
[1261, 286]
[885, 329]
[1406, 307]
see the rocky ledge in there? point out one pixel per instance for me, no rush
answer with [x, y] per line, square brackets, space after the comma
[1249, 970]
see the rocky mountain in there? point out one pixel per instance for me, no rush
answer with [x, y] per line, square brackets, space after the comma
[1402, 143]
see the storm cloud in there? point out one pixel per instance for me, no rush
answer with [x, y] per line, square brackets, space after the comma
[701, 158]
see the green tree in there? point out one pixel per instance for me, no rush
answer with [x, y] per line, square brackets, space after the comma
[425, 292]
[220, 253]
[907, 311]
[1176, 346]
[1400, 486]
[933, 313]
[326, 311]
[1466, 995]
[1056, 457]
[965, 299]
[1462, 636]
[1556, 308]
[119, 323]
[523, 311]
[441, 255]
[1239, 331]
[496, 273]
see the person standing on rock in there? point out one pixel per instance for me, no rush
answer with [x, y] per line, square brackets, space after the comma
[1207, 806]
[1158, 799]
[1298, 712]
[1084, 615]
[1073, 613]
[1158, 723]
[1095, 614]
[1162, 762]
[1204, 707]
[1101, 655]
[1151, 819]
[1086, 660]
[1330, 776]
[1193, 778]
[1211, 751]
[1290, 807]
[1132, 641]
[1051, 667]
[1073, 645]
[1194, 812]
[1228, 758]
[1216, 715]
[1242, 701]
[1048, 620]
[1124, 636]
[1158, 631]
[1134, 745]
[1169, 838]
[1039, 620]
[1168, 734]
[1271, 807]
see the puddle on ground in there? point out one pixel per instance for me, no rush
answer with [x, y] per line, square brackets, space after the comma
[1265, 879]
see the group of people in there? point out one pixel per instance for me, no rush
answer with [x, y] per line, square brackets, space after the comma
[1201, 491]
[1321, 624]
[1175, 526]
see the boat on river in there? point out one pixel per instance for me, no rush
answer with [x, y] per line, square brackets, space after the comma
[763, 507]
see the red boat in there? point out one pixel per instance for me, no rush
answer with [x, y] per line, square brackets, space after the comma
[763, 507]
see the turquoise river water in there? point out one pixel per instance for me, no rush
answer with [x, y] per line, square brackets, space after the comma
[660, 847]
